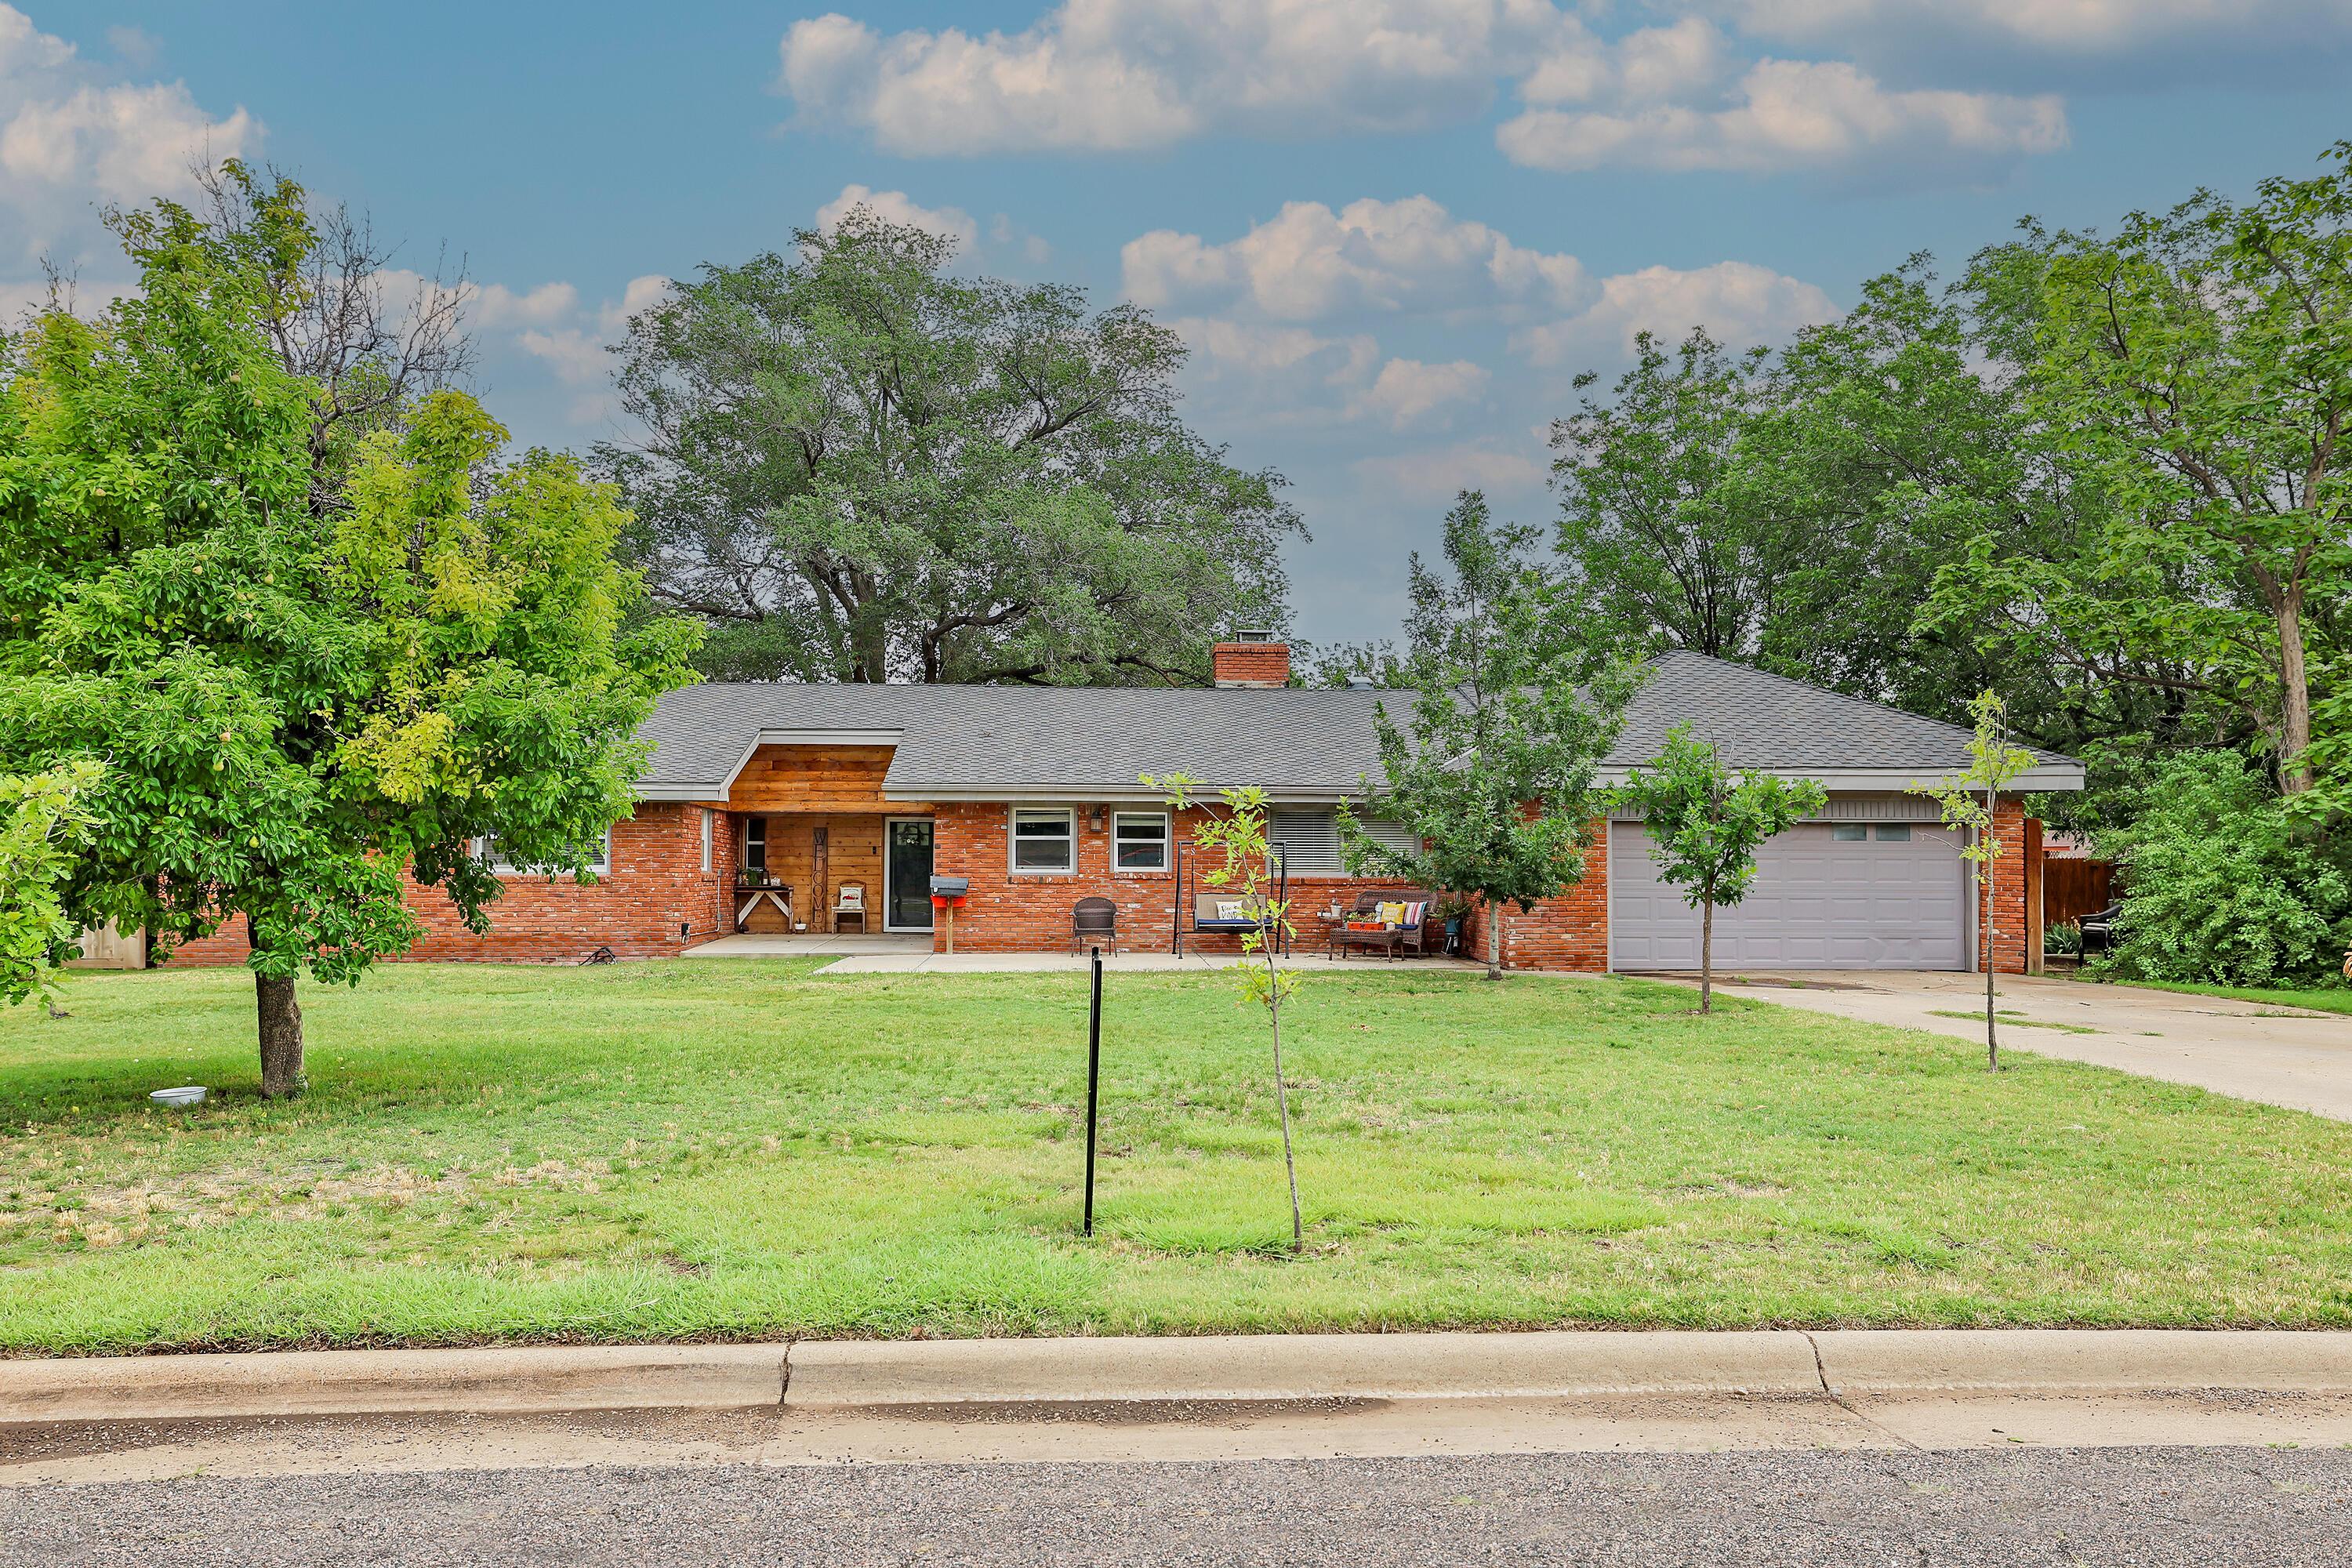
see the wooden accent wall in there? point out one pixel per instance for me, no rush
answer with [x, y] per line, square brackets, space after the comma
[2071, 889]
[853, 854]
[815, 778]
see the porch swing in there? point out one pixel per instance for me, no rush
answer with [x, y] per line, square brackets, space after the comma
[1199, 914]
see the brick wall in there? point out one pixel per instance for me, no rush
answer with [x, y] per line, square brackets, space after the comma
[1250, 663]
[1030, 912]
[1570, 931]
[2006, 900]
[655, 886]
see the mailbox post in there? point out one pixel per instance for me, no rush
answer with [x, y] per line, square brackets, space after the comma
[947, 894]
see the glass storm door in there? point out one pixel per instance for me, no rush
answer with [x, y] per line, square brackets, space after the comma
[906, 875]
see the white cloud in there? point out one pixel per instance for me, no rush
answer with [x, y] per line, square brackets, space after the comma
[1271, 375]
[1439, 476]
[897, 206]
[1309, 262]
[2066, 27]
[1738, 301]
[1120, 75]
[1407, 391]
[69, 141]
[1114, 75]
[577, 358]
[496, 305]
[641, 294]
[1666, 98]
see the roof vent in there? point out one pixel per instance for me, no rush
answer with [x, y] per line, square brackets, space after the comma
[1361, 683]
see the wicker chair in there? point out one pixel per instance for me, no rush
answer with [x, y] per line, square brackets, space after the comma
[1390, 939]
[1094, 922]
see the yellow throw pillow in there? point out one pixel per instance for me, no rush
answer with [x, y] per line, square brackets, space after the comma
[1393, 914]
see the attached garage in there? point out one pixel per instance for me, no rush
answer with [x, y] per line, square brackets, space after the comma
[1827, 895]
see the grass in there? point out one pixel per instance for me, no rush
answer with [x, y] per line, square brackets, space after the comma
[2005, 1016]
[2314, 998]
[736, 1150]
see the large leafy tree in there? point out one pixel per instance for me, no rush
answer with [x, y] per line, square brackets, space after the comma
[1495, 767]
[296, 701]
[859, 465]
[1660, 540]
[44, 821]
[2200, 362]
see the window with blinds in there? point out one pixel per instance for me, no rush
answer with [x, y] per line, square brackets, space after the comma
[1308, 841]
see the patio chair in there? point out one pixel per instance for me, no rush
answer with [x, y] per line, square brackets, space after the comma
[2099, 930]
[1094, 922]
[850, 906]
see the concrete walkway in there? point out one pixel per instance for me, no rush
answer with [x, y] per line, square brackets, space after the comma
[2249, 1051]
[815, 945]
[929, 962]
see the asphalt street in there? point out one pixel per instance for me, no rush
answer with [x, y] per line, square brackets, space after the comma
[2212, 1508]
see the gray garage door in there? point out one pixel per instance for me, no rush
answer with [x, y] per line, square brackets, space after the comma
[1826, 896]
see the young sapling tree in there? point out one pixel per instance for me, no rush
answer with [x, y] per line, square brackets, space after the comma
[1245, 867]
[1705, 824]
[1969, 799]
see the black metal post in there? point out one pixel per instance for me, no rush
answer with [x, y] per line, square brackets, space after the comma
[1093, 1083]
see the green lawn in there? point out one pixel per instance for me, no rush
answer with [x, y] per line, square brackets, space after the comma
[2316, 999]
[713, 1149]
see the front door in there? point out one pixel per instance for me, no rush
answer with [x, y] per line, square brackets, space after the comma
[906, 874]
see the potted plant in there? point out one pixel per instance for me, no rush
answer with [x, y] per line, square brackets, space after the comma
[1454, 910]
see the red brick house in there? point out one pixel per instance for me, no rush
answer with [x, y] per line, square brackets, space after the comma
[763, 800]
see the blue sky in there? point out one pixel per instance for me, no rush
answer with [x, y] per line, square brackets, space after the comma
[1393, 230]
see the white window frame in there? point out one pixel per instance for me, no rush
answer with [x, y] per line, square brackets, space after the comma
[707, 815]
[1166, 841]
[1069, 839]
[743, 845]
[600, 867]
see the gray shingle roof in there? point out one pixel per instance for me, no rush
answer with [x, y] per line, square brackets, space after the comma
[988, 742]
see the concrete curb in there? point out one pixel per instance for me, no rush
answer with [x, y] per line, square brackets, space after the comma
[819, 1376]
[541, 1378]
[1897, 1361]
[1300, 1366]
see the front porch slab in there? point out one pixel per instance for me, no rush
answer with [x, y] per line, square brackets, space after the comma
[929, 962]
[809, 944]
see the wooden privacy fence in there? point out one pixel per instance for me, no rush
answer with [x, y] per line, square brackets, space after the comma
[2072, 888]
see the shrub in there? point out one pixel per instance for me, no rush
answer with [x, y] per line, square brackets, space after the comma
[2221, 885]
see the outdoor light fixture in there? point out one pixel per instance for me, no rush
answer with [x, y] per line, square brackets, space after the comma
[1100, 812]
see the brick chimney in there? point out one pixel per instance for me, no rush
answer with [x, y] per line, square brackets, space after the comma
[1252, 658]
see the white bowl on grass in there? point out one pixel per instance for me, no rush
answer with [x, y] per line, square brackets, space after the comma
[180, 1099]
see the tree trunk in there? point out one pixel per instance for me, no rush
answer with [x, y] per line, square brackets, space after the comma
[1493, 939]
[282, 1037]
[2295, 696]
[1991, 883]
[1282, 1104]
[1707, 956]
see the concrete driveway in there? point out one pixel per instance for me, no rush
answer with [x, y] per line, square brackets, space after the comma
[2247, 1049]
